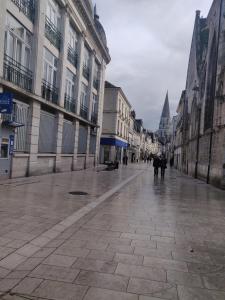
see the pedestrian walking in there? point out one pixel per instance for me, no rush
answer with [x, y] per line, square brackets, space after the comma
[156, 165]
[163, 165]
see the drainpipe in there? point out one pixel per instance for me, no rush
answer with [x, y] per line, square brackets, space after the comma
[211, 133]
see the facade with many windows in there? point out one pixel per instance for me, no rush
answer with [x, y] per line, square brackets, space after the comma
[53, 56]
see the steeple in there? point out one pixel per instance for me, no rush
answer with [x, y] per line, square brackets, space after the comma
[166, 108]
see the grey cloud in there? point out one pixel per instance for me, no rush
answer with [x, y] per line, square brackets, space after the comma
[149, 42]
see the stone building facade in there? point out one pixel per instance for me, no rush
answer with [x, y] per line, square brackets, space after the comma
[115, 129]
[201, 141]
[53, 56]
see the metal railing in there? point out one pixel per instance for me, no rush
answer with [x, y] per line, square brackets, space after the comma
[96, 83]
[49, 92]
[17, 73]
[86, 72]
[72, 56]
[10, 117]
[69, 104]
[27, 7]
[83, 111]
[94, 117]
[52, 33]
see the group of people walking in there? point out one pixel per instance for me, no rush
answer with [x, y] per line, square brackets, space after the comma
[159, 162]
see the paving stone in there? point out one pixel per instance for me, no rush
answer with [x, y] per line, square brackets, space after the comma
[60, 290]
[163, 239]
[148, 298]
[17, 274]
[152, 288]
[27, 285]
[216, 282]
[121, 249]
[7, 284]
[5, 251]
[141, 272]
[133, 236]
[102, 294]
[101, 255]
[167, 264]
[115, 241]
[160, 253]
[27, 250]
[72, 251]
[96, 245]
[129, 259]
[4, 272]
[95, 265]
[184, 255]
[102, 280]
[182, 278]
[16, 244]
[187, 293]
[44, 252]
[206, 269]
[12, 261]
[144, 244]
[60, 260]
[30, 264]
[54, 273]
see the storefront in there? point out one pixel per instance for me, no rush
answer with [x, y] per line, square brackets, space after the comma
[112, 149]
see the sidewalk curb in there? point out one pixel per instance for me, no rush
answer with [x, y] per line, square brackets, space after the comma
[20, 255]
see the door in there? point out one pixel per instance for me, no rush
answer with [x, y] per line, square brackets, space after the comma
[5, 158]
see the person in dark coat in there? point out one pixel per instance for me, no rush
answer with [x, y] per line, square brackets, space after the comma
[163, 165]
[156, 165]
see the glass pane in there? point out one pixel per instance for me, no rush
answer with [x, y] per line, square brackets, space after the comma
[50, 74]
[10, 46]
[27, 58]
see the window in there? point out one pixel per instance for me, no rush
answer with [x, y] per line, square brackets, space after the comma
[118, 127]
[86, 58]
[73, 40]
[50, 67]
[94, 104]
[18, 42]
[84, 100]
[70, 84]
[4, 148]
[53, 13]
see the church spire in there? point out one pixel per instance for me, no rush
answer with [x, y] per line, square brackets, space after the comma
[166, 108]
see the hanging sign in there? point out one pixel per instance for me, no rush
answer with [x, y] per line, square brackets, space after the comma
[6, 103]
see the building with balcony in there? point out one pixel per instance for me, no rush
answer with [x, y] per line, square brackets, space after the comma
[115, 129]
[53, 56]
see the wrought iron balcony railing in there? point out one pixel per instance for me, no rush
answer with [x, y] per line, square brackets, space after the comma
[17, 73]
[49, 92]
[84, 111]
[94, 117]
[27, 7]
[70, 104]
[86, 72]
[96, 83]
[52, 33]
[72, 56]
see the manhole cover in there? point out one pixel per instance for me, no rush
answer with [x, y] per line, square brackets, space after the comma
[78, 193]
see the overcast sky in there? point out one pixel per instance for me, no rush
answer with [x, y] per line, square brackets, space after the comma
[149, 42]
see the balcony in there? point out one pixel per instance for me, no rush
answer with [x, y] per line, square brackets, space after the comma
[17, 73]
[49, 92]
[96, 83]
[72, 56]
[12, 119]
[84, 111]
[70, 104]
[52, 33]
[27, 7]
[86, 72]
[94, 117]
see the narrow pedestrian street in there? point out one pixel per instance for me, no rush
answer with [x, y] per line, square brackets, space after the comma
[147, 239]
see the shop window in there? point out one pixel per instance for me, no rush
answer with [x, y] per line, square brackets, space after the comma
[4, 148]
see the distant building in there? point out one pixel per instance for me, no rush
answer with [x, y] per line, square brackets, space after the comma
[115, 128]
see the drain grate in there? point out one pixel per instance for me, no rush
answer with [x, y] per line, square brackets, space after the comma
[78, 193]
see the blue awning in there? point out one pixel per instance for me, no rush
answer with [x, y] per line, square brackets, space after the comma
[113, 142]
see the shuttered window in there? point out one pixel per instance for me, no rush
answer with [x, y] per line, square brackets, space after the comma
[22, 116]
[47, 134]
[82, 142]
[68, 137]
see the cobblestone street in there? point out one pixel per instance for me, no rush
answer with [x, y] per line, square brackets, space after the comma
[132, 237]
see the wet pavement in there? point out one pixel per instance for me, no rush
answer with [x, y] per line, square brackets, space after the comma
[152, 239]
